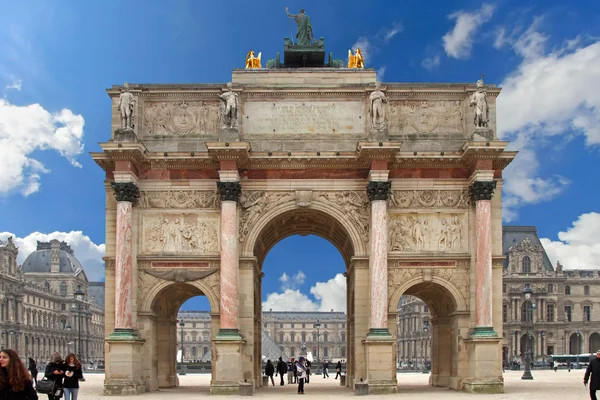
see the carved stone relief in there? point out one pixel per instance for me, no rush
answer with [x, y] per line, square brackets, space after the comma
[458, 277]
[182, 118]
[353, 204]
[398, 276]
[255, 204]
[406, 117]
[428, 232]
[429, 198]
[179, 199]
[180, 233]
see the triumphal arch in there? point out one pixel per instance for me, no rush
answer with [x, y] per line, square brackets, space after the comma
[202, 180]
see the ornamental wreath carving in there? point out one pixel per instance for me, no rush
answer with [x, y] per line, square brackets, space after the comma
[180, 233]
[425, 117]
[428, 232]
[429, 198]
[179, 199]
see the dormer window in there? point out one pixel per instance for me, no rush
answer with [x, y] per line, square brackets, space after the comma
[526, 265]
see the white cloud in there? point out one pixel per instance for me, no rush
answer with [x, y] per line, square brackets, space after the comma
[548, 95]
[87, 252]
[431, 62]
[380, 73]
[364, 44]
[26, 129]
[578, 247]
[292, 282]
[15, 84]
[459, 41]
[393, 31]
[329, 295]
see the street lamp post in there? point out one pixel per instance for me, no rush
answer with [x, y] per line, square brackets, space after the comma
[182, 371]
[318, 326]
[425, 332]
[78, 295]
[527, 291]
[578, 346]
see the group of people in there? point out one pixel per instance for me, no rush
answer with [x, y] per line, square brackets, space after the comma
[297, 371]
[17, 381]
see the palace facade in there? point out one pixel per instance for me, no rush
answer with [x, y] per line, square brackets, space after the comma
[39, 310]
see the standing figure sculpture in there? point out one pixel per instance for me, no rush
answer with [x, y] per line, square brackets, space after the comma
[229, 108]
[482, 108]
[125, 107]
[377, 102]
[357, 60]
[304, 33]
[252, 61]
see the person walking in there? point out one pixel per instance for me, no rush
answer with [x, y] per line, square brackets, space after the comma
[55, 371]
[269, 371]
[338, 369]
[325, 369]
[15, 381]
[33, 369]
[301, 373]
[281, 369]
[308, 365]
[73, 374]
[593, 369]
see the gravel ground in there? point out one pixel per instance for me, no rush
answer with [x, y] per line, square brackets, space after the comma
[547, 385]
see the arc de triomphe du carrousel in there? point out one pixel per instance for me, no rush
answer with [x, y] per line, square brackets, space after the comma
[202, 180]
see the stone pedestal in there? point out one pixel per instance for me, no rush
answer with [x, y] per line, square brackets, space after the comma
[379, 355]
[482, 134]
[485, 372]
[124, 377]
[361, 389]
[227, 373]
[378, 135]
[125, 135]
[229, 135]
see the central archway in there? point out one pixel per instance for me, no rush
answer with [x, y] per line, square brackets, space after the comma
[321, 220]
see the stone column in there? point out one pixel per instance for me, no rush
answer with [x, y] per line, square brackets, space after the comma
[126, 194]
[378, 193]
[482, 192]
[230, 194]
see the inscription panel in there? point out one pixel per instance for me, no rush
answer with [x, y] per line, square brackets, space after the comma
[297, 117]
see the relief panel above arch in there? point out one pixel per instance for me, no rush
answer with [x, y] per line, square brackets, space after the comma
[429, 232]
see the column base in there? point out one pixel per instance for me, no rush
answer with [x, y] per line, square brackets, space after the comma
[227, 366]
[483, 332]
[379, 360]
[123, 387]
[485, 365]
[124, 334]
[484, 387]
[124, 366]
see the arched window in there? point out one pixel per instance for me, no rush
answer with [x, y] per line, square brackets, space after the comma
[567, 289]
[304, 337]
[204, 351]
[586, 290]
[292, 352]
[504, 288]
[325, 352]
[527, 312]
[550, 288]
[47, 285]
[281, 337]
[343, 352]
[325, 337]
[293, 337]
[194, 352]
[526, 265]
[63, 289]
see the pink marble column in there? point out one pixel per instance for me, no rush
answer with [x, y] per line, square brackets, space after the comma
[482, 193]
[230, 193]
[126, 194]
[378, 193]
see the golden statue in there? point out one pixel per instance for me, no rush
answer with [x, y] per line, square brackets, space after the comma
[251, 61]
[356, 60]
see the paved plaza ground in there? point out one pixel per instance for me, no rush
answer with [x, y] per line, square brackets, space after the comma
[547, 385]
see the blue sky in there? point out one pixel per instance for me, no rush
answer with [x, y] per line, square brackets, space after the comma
[56, 59]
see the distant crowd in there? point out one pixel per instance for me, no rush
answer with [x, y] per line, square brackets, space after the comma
[297, 371]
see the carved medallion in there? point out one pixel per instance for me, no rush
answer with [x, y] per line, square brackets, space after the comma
[181, 118]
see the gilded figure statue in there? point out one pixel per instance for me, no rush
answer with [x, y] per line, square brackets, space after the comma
[304, 33]
[252, 61]
[482, 108]
[377, 110]
[356, 60]
[125, 106]
[229, 108]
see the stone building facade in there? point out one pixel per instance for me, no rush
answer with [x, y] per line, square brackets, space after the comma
[413, 333]
[38, 311]
[565, 319]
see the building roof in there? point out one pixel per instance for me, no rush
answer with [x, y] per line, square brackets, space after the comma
[197, 315]
[39, 260]
[513, 235]
[305, 316]
[96, 293]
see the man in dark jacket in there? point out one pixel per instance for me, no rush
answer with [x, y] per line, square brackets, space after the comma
[281, 369]
[593, 369]
[269, 371]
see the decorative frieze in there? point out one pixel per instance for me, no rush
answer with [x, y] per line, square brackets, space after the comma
[425, 117]
[229, 191]
[429, 199]
[378, 190]
[181, 118]
[482, 190]
[179, 199]
[125, 191]
[180, 234]
[428, 232]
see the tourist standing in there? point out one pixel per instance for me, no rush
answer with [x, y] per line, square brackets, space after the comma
[15, 381]
[338, 369]
[325, 368]
[301, 373]
[281, 369]
[33, 369]
[55, 371]
[593, 369]
[73, 374]
[269, 371]
[290, 371]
